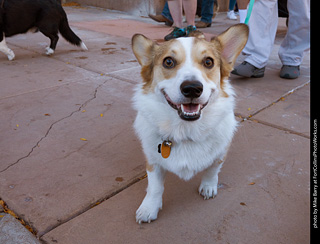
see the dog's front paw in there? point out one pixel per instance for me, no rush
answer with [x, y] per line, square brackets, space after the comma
[10, 55]
[147, 212]
[208, 191]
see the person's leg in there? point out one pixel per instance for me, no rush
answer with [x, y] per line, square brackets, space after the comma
[231, 14]
[190, 7]
[175, 7]
[242, 6]
[297, 40]
[263, 27]
[232, 3]
[166, 12]
[207, 10]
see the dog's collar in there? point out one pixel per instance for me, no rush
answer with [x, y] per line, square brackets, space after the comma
[165, 148]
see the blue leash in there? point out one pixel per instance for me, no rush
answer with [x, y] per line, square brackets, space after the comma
[249, 12]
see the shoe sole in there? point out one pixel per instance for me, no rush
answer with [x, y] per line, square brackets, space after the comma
[209, 25]
[252, 76]
[257, 76]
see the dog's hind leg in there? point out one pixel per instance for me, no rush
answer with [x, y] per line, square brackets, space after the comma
[54, 39]
[209, 183]
[4, 48]
[53, 35]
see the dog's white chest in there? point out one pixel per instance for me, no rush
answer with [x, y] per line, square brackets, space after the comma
[195, 152]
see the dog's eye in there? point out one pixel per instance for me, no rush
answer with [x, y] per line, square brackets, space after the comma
[208, 62]
[168, 63]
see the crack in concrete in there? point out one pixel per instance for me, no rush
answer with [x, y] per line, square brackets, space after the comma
[51, 126]
[127, 184]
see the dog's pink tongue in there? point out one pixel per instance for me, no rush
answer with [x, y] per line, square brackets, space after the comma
[190, 108]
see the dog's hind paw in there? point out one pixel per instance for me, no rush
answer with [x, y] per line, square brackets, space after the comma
[49, 51]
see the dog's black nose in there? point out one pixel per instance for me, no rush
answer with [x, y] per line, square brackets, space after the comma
[191, 89]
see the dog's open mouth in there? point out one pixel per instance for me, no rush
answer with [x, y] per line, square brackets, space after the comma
[186, 111]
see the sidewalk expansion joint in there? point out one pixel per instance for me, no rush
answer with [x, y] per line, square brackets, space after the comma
[137, 178]
[282, 98]
[280, 128]
[51, 126]
[5, 209]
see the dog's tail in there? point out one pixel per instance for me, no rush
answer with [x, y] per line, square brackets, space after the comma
[69, 35]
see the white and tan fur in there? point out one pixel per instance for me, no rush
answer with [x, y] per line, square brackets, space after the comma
[200, 135]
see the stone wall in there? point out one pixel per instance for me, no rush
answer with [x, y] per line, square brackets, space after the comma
[136, 7]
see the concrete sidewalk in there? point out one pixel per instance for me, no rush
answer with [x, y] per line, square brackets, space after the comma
[72, 168]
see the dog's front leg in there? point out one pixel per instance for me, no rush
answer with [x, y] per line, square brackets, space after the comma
[209, 183]
[4, 48]
[152, 202]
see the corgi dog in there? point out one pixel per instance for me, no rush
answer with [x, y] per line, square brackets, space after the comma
[185, 110]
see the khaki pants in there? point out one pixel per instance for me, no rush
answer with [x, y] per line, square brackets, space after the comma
[263, 27]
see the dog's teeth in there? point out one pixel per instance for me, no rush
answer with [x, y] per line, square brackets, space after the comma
[182, 108]
[190, 113]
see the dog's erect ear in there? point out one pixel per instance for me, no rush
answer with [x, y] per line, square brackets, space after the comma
[143, 48]
[232, 42]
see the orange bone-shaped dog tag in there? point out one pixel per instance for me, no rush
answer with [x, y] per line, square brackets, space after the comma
[165, 149]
